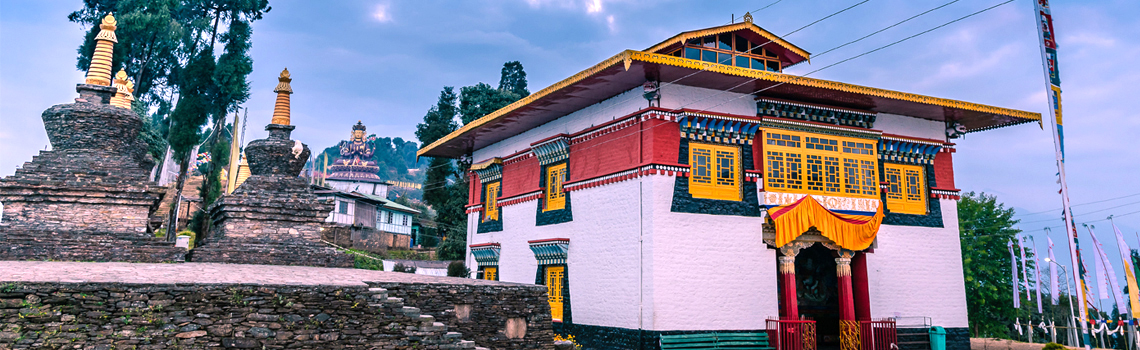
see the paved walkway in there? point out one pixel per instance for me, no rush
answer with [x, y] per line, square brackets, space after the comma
[77, 272]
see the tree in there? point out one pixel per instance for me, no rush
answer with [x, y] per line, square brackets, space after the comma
[985, 228]
[191, 113]
[513, 79]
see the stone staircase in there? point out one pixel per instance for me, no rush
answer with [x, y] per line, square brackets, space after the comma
[427, 323]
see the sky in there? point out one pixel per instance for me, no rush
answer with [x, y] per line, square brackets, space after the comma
[384, 62]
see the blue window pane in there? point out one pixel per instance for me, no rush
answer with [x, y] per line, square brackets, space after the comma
[758, 63]
[708, 56]
[742, 61]
[773, 66]
[724, 58]
[725, 42]
[692, 54]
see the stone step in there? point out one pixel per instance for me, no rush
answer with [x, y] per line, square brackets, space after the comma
[434, 327]
[452, 336]
[427, 319]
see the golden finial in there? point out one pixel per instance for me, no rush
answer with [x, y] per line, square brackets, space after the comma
[281, 107]
[748, 17]
[283, 82]
[125, 90]
[100, 71]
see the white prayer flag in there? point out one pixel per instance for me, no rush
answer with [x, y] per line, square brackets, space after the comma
[1054, 286]
[1013, 269]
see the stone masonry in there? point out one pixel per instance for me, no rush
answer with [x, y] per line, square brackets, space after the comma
[273, 217]
[88, 198]
[154, 306]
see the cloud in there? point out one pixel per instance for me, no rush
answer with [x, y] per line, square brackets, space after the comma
[595, 6]
[610, 23]
[381, 13]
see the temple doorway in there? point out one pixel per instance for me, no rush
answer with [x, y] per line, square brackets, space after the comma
[817, 293]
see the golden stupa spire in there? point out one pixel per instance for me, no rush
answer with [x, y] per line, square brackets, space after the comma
[125, 90]
[100, 71]
[283, 90]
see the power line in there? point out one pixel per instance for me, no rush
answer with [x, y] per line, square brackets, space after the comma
[884, 29]
[828, 16]
[1077, 205]
[1083, 214]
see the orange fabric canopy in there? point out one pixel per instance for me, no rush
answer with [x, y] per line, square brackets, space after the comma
[854, 232]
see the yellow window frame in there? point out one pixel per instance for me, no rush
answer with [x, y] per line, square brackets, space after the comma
[714, 171]
[804, 162]
[555, 196]
[491, 207]
[555, 275]
[907, 188]
[491, 273]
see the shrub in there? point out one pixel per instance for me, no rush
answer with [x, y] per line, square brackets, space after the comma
[160, 233]
[1053, 346]
[458, 269]
[364, 262]
[404, 268]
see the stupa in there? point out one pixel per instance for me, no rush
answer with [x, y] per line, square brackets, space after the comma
[89, 197]
[273, 217]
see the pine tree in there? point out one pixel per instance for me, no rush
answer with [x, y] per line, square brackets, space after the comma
[513, 79]
[193, 109]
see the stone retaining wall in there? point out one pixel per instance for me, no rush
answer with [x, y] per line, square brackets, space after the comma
[489, 315]
[104, 316]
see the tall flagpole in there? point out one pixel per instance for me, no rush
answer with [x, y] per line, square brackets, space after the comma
[1049, 62]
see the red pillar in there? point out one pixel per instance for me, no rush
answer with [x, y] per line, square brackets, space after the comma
[846, 297]
[859, 284]
[849, 329]
[788, 279]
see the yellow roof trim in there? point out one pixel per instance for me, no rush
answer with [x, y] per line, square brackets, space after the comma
[486, 164]
[827, 84]
[623, 56]
[681, 38]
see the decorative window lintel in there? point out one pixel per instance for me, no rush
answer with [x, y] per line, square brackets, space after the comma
[489, 170]
[550, 251]
[486, 254]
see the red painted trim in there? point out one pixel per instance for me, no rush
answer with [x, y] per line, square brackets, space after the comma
[539, 142]
[548, 240]
[940, 142]
[575, 182]
[480, 245]
[946, 189]
[719, 114]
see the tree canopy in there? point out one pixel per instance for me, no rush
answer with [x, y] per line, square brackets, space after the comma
[986, 227]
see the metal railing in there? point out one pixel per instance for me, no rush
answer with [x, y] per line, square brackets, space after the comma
[792, 334]
[879, 334]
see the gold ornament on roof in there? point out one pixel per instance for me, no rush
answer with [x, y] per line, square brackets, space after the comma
[748, 17]
[281, 107]
[125, 90]
[100, 71]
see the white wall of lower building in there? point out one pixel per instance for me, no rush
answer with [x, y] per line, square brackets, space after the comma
[710, 272]
[910, 126]
[917, 271]
[603, 262]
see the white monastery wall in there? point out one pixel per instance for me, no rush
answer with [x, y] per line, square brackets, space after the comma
[917, 271]
[709, 271]
[674, 96]
[910, 126]
[603, 262]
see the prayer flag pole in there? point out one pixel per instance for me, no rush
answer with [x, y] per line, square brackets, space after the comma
[1053, 78]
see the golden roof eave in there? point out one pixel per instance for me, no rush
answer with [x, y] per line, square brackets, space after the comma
[681, 38]
[628, 57]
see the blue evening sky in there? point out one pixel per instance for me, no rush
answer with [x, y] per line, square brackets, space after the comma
[384, 62]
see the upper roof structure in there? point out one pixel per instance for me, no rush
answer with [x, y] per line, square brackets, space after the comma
[788, 53]
[631, 68]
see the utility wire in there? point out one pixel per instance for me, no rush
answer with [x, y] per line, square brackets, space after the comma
[1077, 205]
[884, 29]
